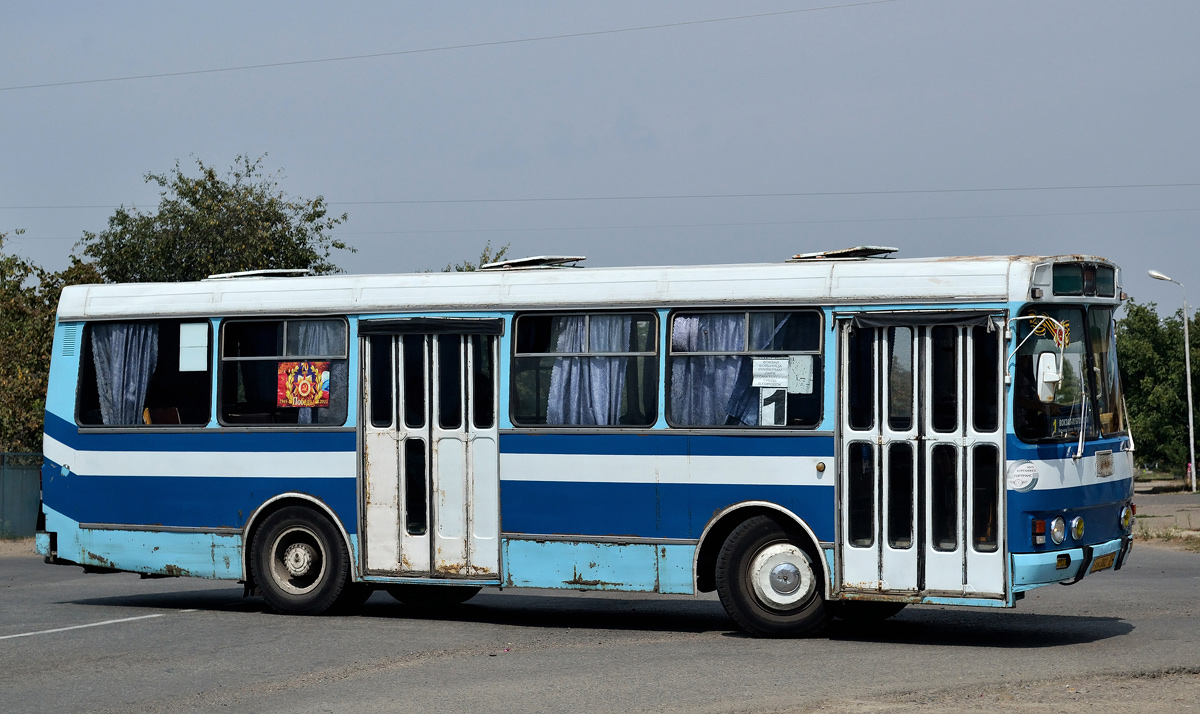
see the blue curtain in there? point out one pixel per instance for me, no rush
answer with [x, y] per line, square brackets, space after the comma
[322, 338]
[125, 355]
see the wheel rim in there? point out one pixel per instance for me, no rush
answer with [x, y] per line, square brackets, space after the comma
[297, 560]
[782, 576]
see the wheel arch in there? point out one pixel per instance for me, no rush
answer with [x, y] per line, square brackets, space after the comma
[283, 500]
[727, 519]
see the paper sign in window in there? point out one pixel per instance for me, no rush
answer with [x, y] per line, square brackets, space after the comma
[772, 407]
[800, 374]
[193, 347]
[770, 373]
[303, 384]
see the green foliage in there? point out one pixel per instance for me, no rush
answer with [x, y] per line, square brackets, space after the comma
[28, 302]
[1150, 355]
[214, 224]
[487, 255]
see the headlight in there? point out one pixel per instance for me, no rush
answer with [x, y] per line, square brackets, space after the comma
[1126, 518]
[1058, 530]
[1077, 528]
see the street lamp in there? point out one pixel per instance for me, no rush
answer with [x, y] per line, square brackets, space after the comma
[1187, 363]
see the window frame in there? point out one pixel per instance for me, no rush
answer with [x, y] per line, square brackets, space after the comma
[85, 348]
[819, 386]
[654, 355]
[221, 359]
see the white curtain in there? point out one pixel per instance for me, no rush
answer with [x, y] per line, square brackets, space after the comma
[588, 390]
[125, 355]
[716, 389]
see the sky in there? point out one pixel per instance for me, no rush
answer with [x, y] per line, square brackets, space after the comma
[629, 132]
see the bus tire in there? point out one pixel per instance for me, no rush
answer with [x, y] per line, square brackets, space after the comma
[299, 562]
[433, 596]
[767, 582]
[862, 611]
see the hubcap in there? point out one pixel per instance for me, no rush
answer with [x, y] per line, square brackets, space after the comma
[782, 576]
[297, 560]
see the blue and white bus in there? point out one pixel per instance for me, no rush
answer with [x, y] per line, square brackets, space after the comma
[841, 434]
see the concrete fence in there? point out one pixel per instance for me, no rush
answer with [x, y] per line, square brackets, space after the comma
[20, 492]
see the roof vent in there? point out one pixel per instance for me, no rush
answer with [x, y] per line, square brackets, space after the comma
[269, 273]
[860, 251]
[536, 261]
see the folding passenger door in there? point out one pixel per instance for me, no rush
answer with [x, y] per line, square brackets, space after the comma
[921, 436]
[430, 458]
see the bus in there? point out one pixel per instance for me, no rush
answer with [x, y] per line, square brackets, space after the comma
[841, 434]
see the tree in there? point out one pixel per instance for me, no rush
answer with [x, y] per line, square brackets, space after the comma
[214, 224]
[485, 256]
[1150, 355]
[28, 303]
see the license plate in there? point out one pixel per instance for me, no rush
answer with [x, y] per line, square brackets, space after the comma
[1104, 463]
[1104, 562]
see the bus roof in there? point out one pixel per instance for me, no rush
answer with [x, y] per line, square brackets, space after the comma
[816, 282]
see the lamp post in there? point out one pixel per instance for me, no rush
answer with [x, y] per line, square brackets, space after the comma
[1187, 363]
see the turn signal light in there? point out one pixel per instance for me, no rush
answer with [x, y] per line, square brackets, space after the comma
[1039, 532]
[1077, 528]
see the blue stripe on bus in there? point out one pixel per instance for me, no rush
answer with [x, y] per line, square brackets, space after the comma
[647, 510]
[185, 501]
[208, 440]
[1017, 449]
[1099, 504]
[666, 445]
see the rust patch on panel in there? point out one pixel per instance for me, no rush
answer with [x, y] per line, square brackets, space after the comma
[99, 559]
[578, 581]
[175, 570]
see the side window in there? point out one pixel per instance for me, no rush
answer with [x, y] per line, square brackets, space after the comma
[284, 372]
[593, 369]
[745, 369]
[145, 373]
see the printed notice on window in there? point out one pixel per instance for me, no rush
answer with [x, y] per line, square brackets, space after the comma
[770, 373]
[800, 374]
[772, 407]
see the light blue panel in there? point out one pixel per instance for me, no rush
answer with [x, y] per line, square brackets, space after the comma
[831, 560]
[200, 555]
[580, 566]
[1031, 570]
[41, 542]
[675, 568]
[965, 601]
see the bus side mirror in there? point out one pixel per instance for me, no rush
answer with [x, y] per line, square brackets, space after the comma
[1047, 376]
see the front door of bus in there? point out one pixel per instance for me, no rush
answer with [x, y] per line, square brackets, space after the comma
[430, 457]
[921, 445]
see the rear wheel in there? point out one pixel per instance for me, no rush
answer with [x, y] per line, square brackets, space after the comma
[768, 583]
[299, 562]
[433, 596]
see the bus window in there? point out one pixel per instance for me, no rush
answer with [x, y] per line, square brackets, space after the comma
[986, 498]
[860, 497]
[1061, 418]
[283, 372]
[381, 380]
[145, 373]
[1104, 360]
[449, 384]
[598, 369]
[986, 376]
[944, 377]
[943, 498]
[482, 385]
[745, 369]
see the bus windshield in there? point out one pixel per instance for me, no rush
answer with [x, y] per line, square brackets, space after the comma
[1088, 393]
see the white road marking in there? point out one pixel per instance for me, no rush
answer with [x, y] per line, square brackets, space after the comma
[79, 627]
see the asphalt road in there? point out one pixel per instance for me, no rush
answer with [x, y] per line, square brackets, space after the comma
[183, 645]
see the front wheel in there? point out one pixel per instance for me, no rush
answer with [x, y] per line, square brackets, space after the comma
[299, 562]
[767, 583]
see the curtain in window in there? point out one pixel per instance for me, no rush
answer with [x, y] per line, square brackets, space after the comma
[319, 338]
[588, 390]
[702, 386]
[125, 354]
[716, 389]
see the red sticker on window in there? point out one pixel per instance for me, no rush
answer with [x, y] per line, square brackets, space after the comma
[303, 384]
